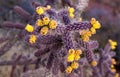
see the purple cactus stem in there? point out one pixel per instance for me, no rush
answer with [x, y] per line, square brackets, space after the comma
[22, 12]
[50, 61]
[48, 39]
[69, 41]
[96, 72]
[41, 52]
[78, 26]
[56, 66]
[91, 45]
[89, 55]
[9, 24]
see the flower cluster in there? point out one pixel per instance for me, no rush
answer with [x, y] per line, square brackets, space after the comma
[86, 34]
[71, 11]
[72, 57]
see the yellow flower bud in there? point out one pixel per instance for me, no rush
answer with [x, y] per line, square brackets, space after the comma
[32, 39]
[94, 63]
[39, 10]
[44, 30]
[93, 31]
[87, 33]
[77, 57]
[75, 65]
[113, 70]
[52, 24]
[116, 75]
[96, 25]
[71, 15]
[70, 57]
[113, 61]
[68, 70]
[114, 43]
[39, 22]
[78, 52]
[113, 47]
[48, 7]
[71, 51]
[80, 19]
[85, 38]
[71, 9]
[112, 66]
[92, 21]
[46, 20]
[29, 28]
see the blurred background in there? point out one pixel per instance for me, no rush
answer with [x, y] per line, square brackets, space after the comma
[106, 11]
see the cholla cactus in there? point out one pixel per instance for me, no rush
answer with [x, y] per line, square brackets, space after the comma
[65, 40]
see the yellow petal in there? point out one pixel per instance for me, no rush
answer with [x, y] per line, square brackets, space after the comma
[75, 65]
[46, 20]
[29, 28]
[71, 15]
[77, 57]
[70, 57]
[94, 63]
[93, 31]
[44, 30]
[96, 25]
[39, 22]
[71, 51]
[68, 69]
[52, 24]
[71, 9]
[39, 10]
[92, 21]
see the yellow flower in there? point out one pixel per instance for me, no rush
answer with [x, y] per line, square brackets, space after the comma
[85, 38]
[113, 70]
[116, 75]
[71, 9]
[47, 7]
[94, 63]
[77, 57]
[93, 31]
[39, 10]
[68, 70]
[113, 61]
[52, 24]
[112, 66]
[96, 25]
[39, 22]
[46, 20]
[71, 51]
[92, 21]
[113, 47]
[80, 19]
[44, 30]
[70, 57]
[71, 15]
[75, 65]
[32, 39]
[114, 43]
[29, 28]
[87, 33]
[78, 52]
